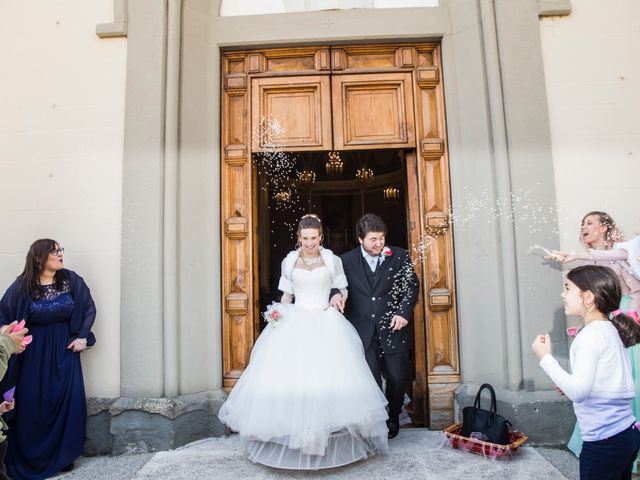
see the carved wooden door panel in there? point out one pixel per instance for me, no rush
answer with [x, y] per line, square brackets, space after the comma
[373, 111]
[419, 398]
[433, 200]
[236, 217]
[298, 107]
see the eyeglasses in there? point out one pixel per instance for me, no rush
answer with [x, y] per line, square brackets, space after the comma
[58, 252]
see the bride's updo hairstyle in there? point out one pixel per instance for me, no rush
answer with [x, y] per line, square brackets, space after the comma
[310, 220]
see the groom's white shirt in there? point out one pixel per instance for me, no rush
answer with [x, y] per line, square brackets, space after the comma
[371, 260]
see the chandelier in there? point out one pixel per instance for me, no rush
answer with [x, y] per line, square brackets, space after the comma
[307, 177]
[283, 196]
[334, 165]
[391, 194]
[364, 175]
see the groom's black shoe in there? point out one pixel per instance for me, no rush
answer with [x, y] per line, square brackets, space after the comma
[394, 427]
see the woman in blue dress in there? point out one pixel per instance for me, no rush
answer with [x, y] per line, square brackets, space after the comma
[47, 430]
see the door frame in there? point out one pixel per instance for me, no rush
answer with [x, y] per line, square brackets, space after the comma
[435, 325]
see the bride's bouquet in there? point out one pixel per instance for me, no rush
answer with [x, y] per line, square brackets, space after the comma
[273, 314]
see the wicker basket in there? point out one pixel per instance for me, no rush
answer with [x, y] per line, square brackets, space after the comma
[479, 447]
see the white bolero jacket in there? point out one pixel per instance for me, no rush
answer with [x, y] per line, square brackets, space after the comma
[331, 261]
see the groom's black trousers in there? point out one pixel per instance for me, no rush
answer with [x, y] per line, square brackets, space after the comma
[395, 369]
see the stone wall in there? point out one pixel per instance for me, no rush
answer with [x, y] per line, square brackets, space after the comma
[592, 81]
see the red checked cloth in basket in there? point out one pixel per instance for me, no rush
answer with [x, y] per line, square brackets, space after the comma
[479, 447]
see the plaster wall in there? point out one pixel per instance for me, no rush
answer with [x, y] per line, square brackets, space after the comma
[61, 133]
[592, 79]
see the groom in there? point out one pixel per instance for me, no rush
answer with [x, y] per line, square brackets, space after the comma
[383, 290]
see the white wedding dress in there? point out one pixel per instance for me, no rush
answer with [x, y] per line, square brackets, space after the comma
[307, 399]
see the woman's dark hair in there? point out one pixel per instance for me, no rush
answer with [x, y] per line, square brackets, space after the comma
[370, 222]
[605, 286]
[310, 220]
[613, 233]
[29, 279]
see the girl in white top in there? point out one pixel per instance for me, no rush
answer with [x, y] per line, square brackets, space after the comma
[600, 385]
[603, 245]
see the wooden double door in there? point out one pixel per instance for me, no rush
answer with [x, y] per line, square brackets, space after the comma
[342, 98]
[333, 112]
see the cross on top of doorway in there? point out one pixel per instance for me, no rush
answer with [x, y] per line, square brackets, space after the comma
[328, 23]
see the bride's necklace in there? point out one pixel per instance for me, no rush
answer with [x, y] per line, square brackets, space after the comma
[309, 261]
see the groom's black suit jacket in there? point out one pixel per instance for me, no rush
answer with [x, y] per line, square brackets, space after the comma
[373, 302]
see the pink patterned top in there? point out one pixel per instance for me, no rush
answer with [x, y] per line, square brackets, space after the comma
[617, 261]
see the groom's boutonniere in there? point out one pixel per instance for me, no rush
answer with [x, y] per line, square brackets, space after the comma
[387, 252]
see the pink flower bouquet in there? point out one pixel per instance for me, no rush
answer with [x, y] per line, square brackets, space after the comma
[273, 314]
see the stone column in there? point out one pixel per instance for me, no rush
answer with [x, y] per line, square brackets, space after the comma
[166, 355]
[143, 202]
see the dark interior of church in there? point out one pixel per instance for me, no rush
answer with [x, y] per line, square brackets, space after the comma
[337, 186]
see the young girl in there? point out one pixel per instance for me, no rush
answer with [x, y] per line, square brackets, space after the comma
[600, 385]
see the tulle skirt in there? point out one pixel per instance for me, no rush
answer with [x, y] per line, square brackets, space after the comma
[307, 399]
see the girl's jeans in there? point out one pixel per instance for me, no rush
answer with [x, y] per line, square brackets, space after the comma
[611, 458]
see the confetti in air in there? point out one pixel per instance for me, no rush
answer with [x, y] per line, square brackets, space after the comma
[540, 251]
[279, 169]
[521, 208]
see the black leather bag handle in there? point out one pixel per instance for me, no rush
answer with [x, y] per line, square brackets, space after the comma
[492, 392]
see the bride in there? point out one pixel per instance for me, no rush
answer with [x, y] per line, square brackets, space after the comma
[307, 399]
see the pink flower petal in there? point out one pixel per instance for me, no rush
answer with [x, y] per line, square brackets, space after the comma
[19, 326]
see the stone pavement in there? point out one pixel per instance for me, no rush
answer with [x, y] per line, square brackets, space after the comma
[414, 454]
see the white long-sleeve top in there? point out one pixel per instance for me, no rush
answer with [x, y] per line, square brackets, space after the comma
[601, 386]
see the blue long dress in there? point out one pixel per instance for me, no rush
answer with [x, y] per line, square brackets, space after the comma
[47, 432]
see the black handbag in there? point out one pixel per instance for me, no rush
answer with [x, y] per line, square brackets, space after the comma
[485, 425]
